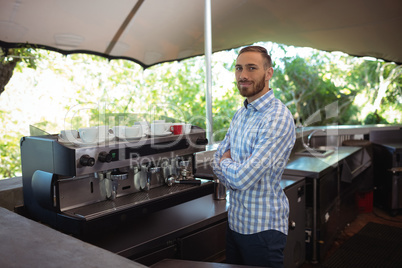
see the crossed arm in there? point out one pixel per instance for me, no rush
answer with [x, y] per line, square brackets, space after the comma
[270, 151]
[225, 155]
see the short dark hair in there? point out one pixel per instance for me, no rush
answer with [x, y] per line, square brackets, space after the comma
[262, 51]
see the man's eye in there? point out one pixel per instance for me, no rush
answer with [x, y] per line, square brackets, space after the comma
[252, 68]
[238, 68]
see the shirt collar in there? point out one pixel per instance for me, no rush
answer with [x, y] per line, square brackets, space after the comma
[261, 101]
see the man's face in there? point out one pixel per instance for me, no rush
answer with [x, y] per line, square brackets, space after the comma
[252, 79]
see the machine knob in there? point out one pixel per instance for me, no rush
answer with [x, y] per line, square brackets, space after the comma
[292, 225]
[86, 160]
[105, 157]
[201, 141]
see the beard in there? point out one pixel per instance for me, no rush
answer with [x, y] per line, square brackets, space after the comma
[254, 89]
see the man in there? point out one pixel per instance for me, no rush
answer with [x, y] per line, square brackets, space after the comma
[250, 162]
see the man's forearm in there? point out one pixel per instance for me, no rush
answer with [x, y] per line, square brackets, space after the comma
[225, 156]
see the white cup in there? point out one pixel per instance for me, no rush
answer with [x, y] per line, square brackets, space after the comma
[159, 128]
[69, 135]
[133, 132]
[187, 128]
[168, 125]
[105, 133]
[119, 131]
[144, 126]
[89, 134]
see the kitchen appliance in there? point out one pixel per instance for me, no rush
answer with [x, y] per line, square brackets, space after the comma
[83, 189]
[387, 156]
[295, 249]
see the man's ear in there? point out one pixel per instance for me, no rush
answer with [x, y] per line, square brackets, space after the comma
[269, 73]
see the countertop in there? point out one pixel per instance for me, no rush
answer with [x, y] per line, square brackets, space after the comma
[395, 146]
[169, 263]
[345, 129]
[168, 224]
[315, 167]
[34, 244]
[390, 139]
[163, 225]
[26, 243]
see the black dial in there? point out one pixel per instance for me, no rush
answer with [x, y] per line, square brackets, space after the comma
[105, 157]
[86, 160]
[201, 141]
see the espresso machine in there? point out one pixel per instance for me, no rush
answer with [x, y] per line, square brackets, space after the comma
[83, 189]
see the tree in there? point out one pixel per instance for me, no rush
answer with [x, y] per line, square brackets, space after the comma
[379, 94]
[9, 60]
[306, 86]
[319, 89]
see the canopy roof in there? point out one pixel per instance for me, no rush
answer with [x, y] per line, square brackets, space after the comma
[155, 31]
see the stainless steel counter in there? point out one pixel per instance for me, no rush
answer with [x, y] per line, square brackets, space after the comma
[396, 146]
[347, 129]
[312, 168]
[315, 167]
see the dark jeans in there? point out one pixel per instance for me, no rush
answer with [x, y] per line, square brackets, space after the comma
[263, 249]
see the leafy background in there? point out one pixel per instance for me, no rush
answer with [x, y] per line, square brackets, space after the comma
[55, 92]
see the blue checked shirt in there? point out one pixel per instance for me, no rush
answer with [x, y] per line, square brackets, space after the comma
[260, 138]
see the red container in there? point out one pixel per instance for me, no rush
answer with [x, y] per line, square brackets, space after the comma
[177, 129]
[364, 201]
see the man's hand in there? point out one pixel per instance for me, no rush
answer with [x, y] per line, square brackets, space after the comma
[225, 155]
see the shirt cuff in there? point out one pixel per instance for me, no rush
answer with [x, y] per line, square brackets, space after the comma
[225, 163]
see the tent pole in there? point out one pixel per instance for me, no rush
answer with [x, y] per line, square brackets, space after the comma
[208, 77]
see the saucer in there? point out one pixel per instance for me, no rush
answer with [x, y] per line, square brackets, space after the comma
[61, 140]
[167, 133]
[123, 137]
[80, 143]
[109, 138]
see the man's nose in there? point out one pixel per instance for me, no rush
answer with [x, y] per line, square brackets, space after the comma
[243, 75]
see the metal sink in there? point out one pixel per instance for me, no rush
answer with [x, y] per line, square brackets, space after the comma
[316, 152]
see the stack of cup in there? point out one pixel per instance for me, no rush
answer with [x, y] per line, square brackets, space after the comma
[180, 128]
[69, 135]
[105, 133]
[125, 132]
[159, 127]
[144, 126]
[89, 134]
[187, 128]
[96, 134]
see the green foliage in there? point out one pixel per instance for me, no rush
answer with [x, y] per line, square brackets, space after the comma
[374, 118]
[223, 110]
[178, 93]
[25, 56]
[319, 89]
[10, 157]
[308, 90]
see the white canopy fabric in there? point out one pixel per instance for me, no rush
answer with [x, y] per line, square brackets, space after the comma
[155, 31]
